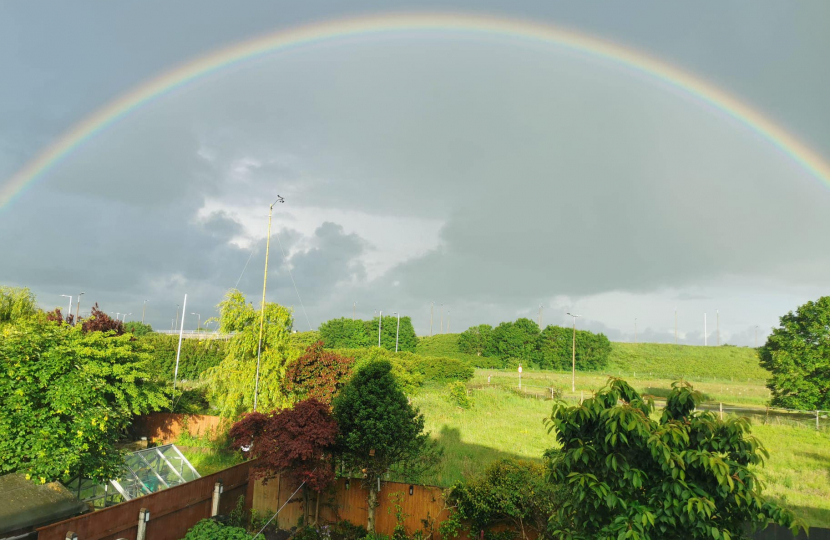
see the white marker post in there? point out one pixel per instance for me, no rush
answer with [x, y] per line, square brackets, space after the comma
[179, 351]
[520, 376]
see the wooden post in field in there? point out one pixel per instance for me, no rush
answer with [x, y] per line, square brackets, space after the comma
[721, 411]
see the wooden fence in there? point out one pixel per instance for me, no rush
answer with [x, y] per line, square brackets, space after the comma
[163, 428]
[424, 504]
[172, 511]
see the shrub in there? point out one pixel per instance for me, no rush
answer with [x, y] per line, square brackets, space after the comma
[555, 349]
[441, 369]
[458, 396]
[208, 529]
[16, 303]
[318, 373]
[302, 340]
[348, 333]
[515, 492]
[476, 340]
[98, 321]
[137, 328]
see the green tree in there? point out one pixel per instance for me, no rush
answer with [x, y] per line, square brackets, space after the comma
[407, 340]
[476, 340]
[16, 303]
[687, 475]
[516, 340]
[67, 396]
[345, 333]
[231, 383]
[798, 356]
[555, 346]
[380, 431]
[138, 328]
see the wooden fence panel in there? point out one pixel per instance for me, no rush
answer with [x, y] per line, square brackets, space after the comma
[163, 428]
[172, 511]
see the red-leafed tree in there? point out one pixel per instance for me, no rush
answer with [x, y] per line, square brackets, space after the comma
[318, 374]
[98, 321]
[55, 316]
[296, 443]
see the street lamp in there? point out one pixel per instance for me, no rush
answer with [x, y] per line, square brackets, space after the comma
[143, 311]
[398, 331]
[198, 321]
[573, 355]
[69, 311]
[125, 317]
[78, 308]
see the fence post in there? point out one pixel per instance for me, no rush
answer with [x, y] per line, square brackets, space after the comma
[143, 518]
[581, 396]
[721, 411]
[71, 536]
[217, 493]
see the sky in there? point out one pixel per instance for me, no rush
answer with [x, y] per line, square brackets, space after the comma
[482, 177]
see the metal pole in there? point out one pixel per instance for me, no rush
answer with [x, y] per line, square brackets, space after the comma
[69, 309]
[179, 351]
[78, 308]
[143, 311]
[380, 324]
[262, 308]
[398, 331]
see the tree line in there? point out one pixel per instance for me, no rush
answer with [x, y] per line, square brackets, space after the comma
[523, 341]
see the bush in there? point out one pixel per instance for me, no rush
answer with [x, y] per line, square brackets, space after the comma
[348, 333]
[555, 349]
[441, 369]
[207, 529]
[458, 396]
[137, 328]
[516, 492]
[302, 340]
[318, 373]
[197, 355]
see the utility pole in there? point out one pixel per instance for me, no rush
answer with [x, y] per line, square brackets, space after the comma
[143, 311]
[78, 309]
[717, 315]
[380, 325]
[262, 307]
[675, 326]
[573, 355]
[431, 307]
[705, 337]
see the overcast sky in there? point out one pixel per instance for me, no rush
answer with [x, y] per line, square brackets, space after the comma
[486, 174]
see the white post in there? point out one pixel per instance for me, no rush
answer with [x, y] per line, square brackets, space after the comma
[380, 324]
[397, 332]
[179, 350]
[721, 411]
[143, 518]
[69, 312]
[217, 493]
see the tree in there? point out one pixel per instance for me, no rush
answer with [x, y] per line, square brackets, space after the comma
[296, 442]
[380, 431]
[66, 397]
[798, 356]
[476, 340]
[345, 333]
[516, 340]
[318, 373]
[138, 328]
[555, 346]
[687, 475]
[231, 383]
[98, 321]
[16, 303]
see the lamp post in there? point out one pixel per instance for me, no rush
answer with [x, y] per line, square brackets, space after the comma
[198, 321]
[177, 316]
[143, 311]
[573, 355]
[398, 331]
[78, 307]
[380, 324]
[69, 310]
[125, 317]
[264, 284]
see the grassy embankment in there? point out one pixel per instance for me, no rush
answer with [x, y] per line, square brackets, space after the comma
[504, 424]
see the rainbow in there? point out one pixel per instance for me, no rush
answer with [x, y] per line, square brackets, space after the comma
[629, 58]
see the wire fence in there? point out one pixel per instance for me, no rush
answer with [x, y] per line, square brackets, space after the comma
[819, 419]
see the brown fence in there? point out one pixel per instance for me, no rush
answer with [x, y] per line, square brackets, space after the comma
[172, 511]
[163, 428]
[425, 503]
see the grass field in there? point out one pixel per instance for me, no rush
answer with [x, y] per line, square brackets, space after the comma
[505, 424]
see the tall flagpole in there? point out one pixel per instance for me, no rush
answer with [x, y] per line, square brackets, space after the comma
[262, 308]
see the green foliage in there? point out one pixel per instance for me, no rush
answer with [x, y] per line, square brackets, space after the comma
[318, 373]
[446, 346]
[688, 475]
[798, 355]
[458, 396]
[477, 340]
[197, 355]
[230, 383]
[66, 397]
[302, 340]
[208, 529]
[16, 303]
[509, 491]
[137, 328]
[355, 334]
[380, 430]
[515, 340]
[556, 347]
